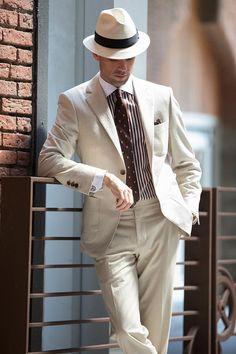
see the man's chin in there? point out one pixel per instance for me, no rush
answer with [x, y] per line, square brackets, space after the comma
[120, 80]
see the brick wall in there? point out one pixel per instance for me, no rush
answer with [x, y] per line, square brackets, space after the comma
[16, 44]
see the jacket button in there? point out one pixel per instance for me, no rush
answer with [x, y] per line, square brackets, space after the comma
[122, 172]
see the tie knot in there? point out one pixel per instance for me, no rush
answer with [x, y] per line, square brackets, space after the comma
[118, 94]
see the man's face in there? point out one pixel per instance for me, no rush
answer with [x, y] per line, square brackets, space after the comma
[115, 71]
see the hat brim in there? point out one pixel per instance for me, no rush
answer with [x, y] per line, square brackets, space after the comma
[113, 53]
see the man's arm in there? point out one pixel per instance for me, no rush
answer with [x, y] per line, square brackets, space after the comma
[55, 159]
[184, 164]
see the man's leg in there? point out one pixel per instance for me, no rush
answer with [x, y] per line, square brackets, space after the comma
[156, 268]
[117, 273]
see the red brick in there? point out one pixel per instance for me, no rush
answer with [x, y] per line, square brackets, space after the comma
[7, 122]
[19, 72]
[8, 18]
[13, 105]
[20, 4]
[1, 35]
[4, 171]
[19, 141]
[20, 38]
[23, 158]
[8, 157]
[24, 125]
[0, 139]
[4, 70]
[8, 53]
[8, 88]
[25, 56]
[26, 21]
[24, 89]
[18, 171]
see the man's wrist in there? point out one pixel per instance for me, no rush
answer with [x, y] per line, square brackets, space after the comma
[107, 179]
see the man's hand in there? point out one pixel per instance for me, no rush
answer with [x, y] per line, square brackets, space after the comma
[122, 193]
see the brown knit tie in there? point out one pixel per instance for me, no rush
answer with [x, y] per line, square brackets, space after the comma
[122, 122]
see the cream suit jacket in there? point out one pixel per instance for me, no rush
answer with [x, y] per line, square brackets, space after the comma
[84, 124]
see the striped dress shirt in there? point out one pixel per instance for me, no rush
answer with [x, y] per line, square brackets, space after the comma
[140, 156]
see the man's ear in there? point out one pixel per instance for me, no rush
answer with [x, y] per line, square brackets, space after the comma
[96, 57]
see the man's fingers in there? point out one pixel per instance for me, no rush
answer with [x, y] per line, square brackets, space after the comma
[125, 202]
[121, 192]
[123, 206]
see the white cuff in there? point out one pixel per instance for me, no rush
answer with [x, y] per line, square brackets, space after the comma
[97, 183]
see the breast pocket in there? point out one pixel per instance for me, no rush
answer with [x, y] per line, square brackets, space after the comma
[161, 139]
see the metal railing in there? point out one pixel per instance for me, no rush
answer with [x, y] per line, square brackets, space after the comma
[224, 269]
[18, 249]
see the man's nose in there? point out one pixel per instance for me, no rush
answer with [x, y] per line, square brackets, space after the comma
[122, 64]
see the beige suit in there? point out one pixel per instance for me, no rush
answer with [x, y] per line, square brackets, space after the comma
[84, 124]
[136, 266]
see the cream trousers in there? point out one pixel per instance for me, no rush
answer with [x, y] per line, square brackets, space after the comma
[136, 277]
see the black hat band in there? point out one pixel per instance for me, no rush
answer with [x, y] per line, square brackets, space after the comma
[116, 43]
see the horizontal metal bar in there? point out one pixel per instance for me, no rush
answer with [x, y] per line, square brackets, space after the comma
[79, 349]
[203, 213]
[181, 339]
[65, 293]
[44, 209]
[69, 322]
[185, 313]
[226, 213]
[96, 320]
[190, 238]
[227, 237]
[187, 288]
[59, 266]
[188, 263]
[102, 346]
[89, 265]
[95, 292]
[226, 189]
[226, 261]
[55, 238]
[49, 180]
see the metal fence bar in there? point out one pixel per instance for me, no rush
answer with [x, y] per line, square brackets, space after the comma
[223, 282]
[16, 226]
[19, 235]
[201, 275]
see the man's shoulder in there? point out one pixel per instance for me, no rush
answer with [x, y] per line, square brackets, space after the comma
[80, 90]
[152, 86]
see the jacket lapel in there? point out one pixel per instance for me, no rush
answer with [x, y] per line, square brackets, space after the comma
[98, 103]
[146, 107]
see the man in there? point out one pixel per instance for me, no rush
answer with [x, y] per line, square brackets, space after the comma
[140, 178]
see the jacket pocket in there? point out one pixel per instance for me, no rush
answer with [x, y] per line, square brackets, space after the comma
[90, 217]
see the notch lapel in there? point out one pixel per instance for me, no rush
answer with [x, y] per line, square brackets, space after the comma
[97, 101]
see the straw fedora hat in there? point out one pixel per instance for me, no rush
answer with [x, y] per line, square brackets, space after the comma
[116, 36]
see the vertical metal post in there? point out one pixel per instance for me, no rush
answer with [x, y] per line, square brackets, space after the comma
[200, 275]
[214, 271]
[15, 257]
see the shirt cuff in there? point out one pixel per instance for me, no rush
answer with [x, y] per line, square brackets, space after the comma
[97, 183]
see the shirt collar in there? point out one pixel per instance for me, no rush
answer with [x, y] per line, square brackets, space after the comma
[109, 89]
